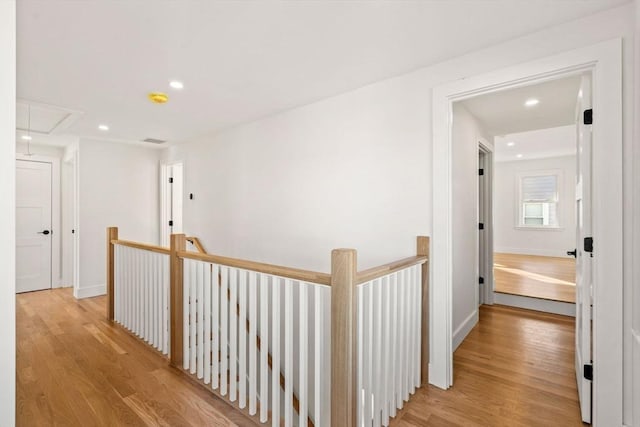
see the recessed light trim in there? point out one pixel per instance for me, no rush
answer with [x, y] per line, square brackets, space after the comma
[103, 127]
[519, 156]
[27, 137]
[175, 84]
[510, 144]
[531, 102]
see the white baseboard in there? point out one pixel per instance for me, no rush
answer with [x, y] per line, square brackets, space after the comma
[90, 291]
[463, 330]
[538, 252]
[538, 304]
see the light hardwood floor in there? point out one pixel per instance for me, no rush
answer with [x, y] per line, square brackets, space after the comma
[552, 278]
[515, 368]
[76, 369]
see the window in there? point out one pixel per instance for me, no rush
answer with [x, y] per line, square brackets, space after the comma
[538, 202]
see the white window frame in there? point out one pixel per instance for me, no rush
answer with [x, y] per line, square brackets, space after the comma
[519, 220]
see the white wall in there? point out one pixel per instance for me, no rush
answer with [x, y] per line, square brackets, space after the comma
[7, 211]
[467, 132]
[118, 187]
[551, 242]
[355, 170]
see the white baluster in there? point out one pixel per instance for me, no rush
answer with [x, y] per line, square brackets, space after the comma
[233, 332]
[360, 368]
[186, 286]
[242, 339]
[418, 299]
[264, 350]
[408, 338]
[253, 347]
[377, 352]
[303, 331]
[224, 319]
[368, 353]
[166, 330]
[288, 353]
[216, 309]
[207, 323]
[200, 318]
[275, 357]
[386, 322]
[395, 354]
[317, 347]
[193, 294]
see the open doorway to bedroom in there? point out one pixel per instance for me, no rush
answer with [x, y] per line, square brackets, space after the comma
[533, 133]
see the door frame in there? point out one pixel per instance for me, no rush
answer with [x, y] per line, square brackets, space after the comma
[604, 61]
[56, 224]
[167, 200]
[486, 238]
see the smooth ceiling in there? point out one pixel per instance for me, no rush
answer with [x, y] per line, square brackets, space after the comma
[504, 112]
[243, 60]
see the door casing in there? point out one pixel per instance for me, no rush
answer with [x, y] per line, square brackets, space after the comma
[604, 60]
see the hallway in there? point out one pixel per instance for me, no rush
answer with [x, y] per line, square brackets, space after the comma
[75, 369]
[515, 368]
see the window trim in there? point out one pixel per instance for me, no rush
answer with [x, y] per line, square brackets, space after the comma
[519, 225]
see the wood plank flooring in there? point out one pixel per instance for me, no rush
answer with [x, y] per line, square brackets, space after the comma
[552, 278]
[515, 368]
[75, 369]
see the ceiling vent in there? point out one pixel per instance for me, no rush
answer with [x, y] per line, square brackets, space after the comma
[154, 140]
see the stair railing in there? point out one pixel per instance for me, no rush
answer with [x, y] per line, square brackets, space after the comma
[285, 345]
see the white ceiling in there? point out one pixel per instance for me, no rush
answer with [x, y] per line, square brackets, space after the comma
[504, 112]
[241, 61]
[536, 144]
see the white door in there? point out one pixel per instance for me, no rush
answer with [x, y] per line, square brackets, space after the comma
[584, 278]
[33, 226]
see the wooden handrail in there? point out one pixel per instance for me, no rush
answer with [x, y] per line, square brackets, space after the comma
[143, 246]
[196, 242]
[276, 270]
[376, 272]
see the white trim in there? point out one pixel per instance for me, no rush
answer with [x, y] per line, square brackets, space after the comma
[537, 304]
[604, 60]
[486, 289]
[56, 222]
[463, 330]
[90, 291]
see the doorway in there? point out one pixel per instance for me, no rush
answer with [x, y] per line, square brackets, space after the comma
[34, 233]
[171, 187]
[604, 61]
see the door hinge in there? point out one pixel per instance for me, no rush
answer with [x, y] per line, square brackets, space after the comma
[480, 172]
[170, 223]
[481, 226]
[481, 280]
[588, 372]
[588, 244]
[170, 180]
[588, 116]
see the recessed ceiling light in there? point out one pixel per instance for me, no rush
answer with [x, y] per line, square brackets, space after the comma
[26, 137]
[176, 84]
[510, 144]
[103, 127]
[531, 102]
[519, 156]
